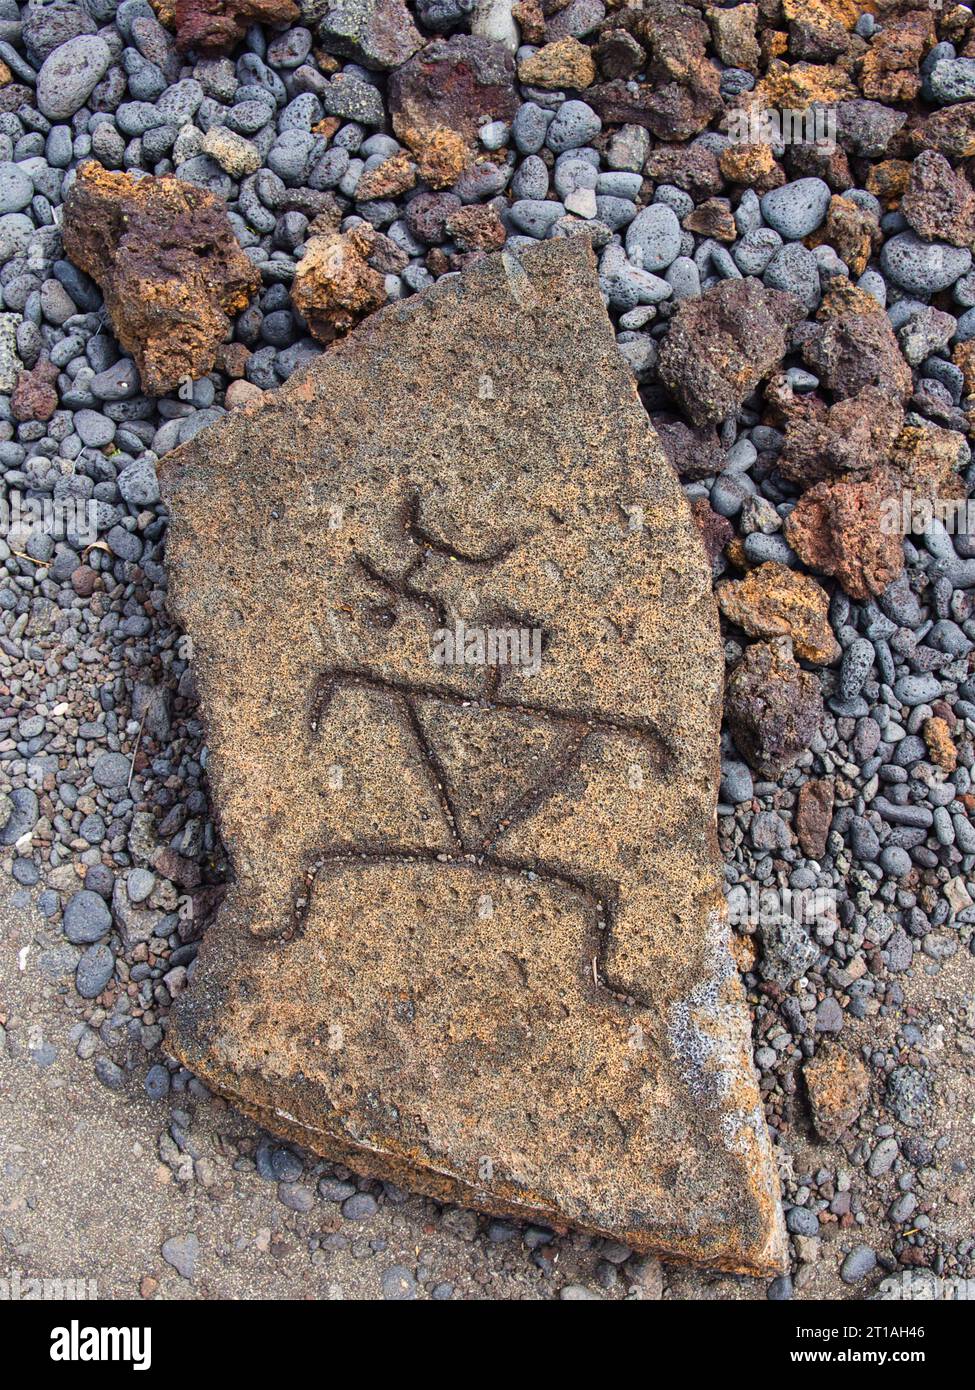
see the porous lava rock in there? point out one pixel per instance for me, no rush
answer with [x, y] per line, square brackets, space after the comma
[773, 600]
[454, 84]
[845, 528]
[774, 707]
[721, 344]
[168, 264]
[216, 26]
[476, 942]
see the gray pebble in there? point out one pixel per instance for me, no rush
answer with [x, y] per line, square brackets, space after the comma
[95, 970]
[69, 74]
[860, 1262]
[797, 208]
[111, 770]
[16, 189]
[360, 1207]
[653, 238]
[923, 267]
[398, 1284]
[575, 124]
[86, 918]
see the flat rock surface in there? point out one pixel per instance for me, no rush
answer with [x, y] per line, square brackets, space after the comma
[476, 942]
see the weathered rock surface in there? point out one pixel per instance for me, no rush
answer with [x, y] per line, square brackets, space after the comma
[567, 63]
[335, 286]
[939, 204]
[814, 813]
[853, 351]
[723, 343]
[854, 435]
[838, 528]
[774, 707]
[453, 84]
[695, 453]
[380, 34]
[216, 26]
[838, 1086]
[775, 601]
[69, 74]
[476, 943]
[168, 264]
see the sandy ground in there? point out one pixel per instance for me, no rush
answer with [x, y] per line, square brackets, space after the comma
[84, 1194]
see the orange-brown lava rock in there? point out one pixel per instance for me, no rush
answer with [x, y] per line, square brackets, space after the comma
[841, 528]
[774, 601]
[838, 1086]
[216, 26]
[168, 264]
[476, 943]
[334, 285]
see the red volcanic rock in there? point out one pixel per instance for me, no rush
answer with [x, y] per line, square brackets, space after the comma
[168, 265]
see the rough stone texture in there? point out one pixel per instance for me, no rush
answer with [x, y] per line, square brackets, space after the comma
[387, 180]
[476, 228]
[453, 84]
[753, 166]
[851, 231]
[734, 34]
[691, 167]
[168, 265]
[836, 528]
[716, 531]
[722, 344]
[854, 435]
[216, 26]
[929, 460]
[476, 941]
[939, 204]
[856, 350]
[379, 34]
[774, 707]
[941, 746]
[334, 285]
[441, 156]
[950, 131]
[567, 63]
[838, 1086]
[695, 453]
[35, 396]
[814, 812]
[774, 601]
[69, 74]
[684, 91]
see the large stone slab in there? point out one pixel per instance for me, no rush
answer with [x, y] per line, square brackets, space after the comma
[476, 942]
